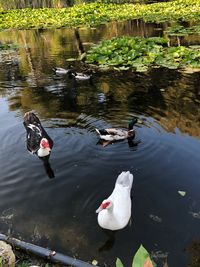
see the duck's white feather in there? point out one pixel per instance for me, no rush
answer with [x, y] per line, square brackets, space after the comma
[118, 216]
[60, 70]
[43, 152]
[113, 134]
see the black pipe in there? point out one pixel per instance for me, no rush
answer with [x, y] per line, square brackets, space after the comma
[44, 252]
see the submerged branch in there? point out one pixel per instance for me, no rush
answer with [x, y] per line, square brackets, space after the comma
[45, 253]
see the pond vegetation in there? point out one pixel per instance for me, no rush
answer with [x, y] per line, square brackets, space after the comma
[179, 30]
[97, 13]
[167, 96]
[141, 53]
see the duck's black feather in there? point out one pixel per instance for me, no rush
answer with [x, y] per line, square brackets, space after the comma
[103, 132]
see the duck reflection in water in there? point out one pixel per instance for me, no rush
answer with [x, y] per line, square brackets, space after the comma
[47, 167]
[38, 141]
[109, 242]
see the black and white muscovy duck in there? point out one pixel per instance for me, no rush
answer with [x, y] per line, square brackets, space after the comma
[38, 141]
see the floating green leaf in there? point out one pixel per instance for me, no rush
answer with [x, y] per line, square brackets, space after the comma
[140, 257]
[119, 263]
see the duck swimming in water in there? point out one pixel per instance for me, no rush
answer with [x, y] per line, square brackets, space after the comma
[60, 71]
[113, 134]
[114, 212]
[38, 141]
[78, 76]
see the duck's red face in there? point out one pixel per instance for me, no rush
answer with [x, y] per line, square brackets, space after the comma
[44, 143]
[104, 205]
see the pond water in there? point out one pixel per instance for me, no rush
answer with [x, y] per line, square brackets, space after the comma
[60, 212]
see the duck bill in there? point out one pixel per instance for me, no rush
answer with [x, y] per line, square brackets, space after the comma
[99, 209]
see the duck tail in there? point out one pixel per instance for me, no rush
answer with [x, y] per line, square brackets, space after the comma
[30, 117]
[97, 131]
[102, 131]
[125, 179]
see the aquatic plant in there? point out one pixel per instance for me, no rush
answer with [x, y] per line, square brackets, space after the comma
[179, 30]
[141, 259]
[142, 53]
[98, 13]
[8, 47]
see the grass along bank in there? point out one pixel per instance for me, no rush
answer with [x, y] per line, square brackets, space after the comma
[97, 13]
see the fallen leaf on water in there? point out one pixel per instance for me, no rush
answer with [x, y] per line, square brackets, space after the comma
[94, 262]
[182, 193]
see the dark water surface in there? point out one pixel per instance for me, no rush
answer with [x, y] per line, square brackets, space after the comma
[60, 212]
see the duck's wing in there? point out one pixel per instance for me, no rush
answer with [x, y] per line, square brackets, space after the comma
[60, 70]
[33, 137]
[102, 131]
[31, 118]
[114, 131]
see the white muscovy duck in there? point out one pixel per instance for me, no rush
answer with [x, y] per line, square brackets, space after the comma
[114, 212]
[38, 141]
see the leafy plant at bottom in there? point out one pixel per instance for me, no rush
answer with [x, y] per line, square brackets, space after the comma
[141, 259]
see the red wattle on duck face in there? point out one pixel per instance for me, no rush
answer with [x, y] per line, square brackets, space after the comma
[44, 143]
[105, 205]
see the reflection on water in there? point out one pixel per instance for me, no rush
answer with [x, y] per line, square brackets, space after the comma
[60, 212]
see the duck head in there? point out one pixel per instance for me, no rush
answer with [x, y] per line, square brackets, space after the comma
[106, 204]
[44, 143]
[132, 122]
[44, 149]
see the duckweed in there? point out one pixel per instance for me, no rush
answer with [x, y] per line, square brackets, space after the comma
[142, 53]
[98, 13]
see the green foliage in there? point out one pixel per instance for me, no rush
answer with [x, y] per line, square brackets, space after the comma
[119, 263]
[179, 30]
[8, 47]
[141, 53]
[98, 13]
[141, 259]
